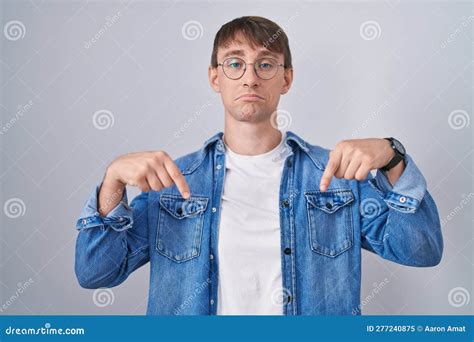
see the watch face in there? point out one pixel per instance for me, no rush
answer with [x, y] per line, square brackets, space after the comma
[398, 146]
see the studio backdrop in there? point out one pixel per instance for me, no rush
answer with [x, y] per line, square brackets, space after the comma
[83, 82]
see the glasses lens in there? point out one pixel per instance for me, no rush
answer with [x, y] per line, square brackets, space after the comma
[266, 68]
[234, 67]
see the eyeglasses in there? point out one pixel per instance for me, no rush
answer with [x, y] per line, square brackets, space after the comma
[265, 68]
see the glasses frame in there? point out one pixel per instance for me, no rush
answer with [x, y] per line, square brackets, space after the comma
[254, 68]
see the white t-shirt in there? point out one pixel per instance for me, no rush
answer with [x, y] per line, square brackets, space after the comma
[249, 243]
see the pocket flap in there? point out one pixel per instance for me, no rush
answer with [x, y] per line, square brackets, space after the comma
[331, 200]
[180, 208]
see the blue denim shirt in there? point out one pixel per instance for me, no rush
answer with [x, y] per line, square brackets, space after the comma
[324, 231]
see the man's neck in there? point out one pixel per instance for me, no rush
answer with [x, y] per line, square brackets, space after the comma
[251, 138]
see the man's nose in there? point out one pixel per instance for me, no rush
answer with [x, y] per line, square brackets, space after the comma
[250, 77]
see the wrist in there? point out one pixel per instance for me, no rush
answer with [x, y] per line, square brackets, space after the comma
[111, 179]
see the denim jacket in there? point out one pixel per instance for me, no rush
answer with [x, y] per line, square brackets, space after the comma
[322, 233]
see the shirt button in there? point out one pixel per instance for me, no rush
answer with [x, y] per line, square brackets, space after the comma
[179, 211]
[212, 301]
[214, 209]
[329, 206]
[403, 199]
[285, 203]
[211, 256]
[288, 300]
[218, 167]
[84, 221]
[287, 251]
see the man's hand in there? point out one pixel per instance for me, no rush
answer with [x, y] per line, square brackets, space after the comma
[145, 170]
[148, 171]
[354, 159]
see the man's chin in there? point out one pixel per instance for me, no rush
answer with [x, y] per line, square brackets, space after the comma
[249, 113]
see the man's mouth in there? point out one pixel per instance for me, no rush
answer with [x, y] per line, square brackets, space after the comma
[250, 97]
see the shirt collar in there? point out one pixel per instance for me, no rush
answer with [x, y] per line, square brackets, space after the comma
[289, 136]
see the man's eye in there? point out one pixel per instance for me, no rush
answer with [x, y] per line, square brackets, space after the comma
[234, 65]
[265, 66]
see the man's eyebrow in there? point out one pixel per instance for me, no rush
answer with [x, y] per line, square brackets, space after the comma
[267, 53]
[233, 53]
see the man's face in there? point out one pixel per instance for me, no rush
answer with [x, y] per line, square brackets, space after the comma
[246, 108]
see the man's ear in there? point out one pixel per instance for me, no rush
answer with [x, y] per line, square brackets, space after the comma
[213, 79]
[287, 80]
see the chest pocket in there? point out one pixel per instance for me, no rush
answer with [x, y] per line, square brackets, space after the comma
[330, 221]
[180, 227]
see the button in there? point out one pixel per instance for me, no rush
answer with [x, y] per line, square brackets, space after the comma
[211, 256]
[84, 221]
[212, 301]
[179, 211]
[218, 166]
[214, 209]
[285, 203]
[287, 251]
[288, 300]
[289, 163]
[403, 199]
[329, 205]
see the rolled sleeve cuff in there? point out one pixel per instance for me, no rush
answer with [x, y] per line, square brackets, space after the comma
[120, 218]
[408, 191]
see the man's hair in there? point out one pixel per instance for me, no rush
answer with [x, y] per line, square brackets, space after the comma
[258, 31]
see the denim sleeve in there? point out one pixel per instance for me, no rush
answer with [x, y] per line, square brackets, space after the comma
[400, 222]
[109, 248]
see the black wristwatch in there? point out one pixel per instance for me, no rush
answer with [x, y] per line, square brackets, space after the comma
[399, 154]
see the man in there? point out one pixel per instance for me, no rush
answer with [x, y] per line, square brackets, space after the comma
[257, 221]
